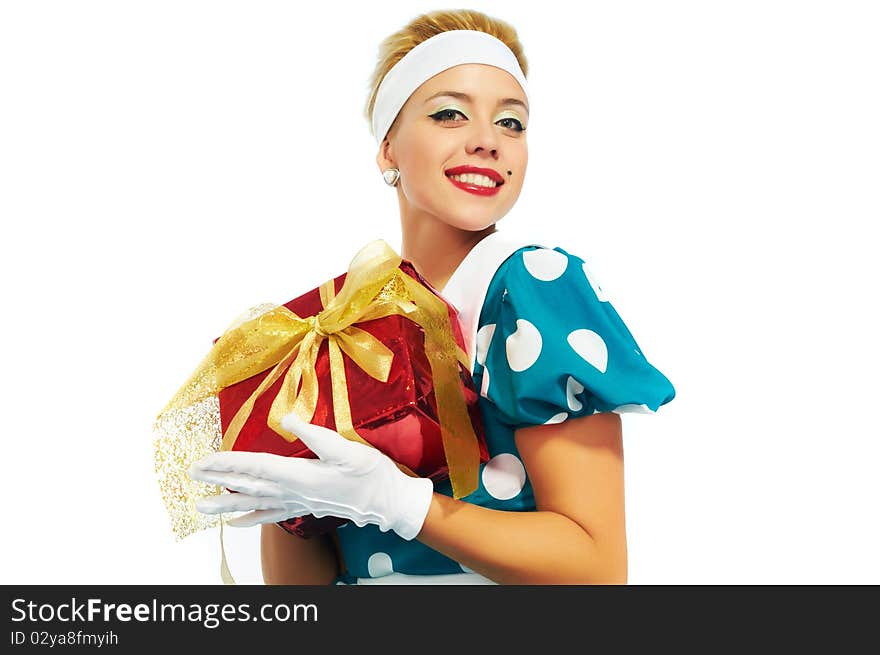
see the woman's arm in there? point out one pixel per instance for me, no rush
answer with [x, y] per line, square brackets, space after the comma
[291, 560]
[577, 535]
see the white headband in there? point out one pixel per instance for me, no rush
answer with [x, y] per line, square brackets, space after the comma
[434, 56]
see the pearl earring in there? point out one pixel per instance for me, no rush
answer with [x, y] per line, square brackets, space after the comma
[391, 176]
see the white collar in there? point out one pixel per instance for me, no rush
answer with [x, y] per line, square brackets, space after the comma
[466, 289]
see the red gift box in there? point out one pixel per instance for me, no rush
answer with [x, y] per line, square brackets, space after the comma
[398, 416]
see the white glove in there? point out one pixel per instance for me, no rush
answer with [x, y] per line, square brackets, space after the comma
[349, 480]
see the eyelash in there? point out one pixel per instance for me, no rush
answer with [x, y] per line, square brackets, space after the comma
[455, 111]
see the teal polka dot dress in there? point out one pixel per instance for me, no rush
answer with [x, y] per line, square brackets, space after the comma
[549, 346]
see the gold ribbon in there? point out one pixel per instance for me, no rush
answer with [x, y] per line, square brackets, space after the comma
[374, 287]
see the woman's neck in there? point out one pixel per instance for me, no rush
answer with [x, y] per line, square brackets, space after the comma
[436, 249]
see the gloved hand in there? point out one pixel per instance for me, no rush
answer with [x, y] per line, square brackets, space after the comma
[348, 480]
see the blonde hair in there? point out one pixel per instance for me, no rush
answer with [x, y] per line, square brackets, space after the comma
[394, 47]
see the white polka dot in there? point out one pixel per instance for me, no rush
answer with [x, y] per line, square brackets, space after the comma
[572, 388]
[523, 346]
[591, 277]
[545, 264]
[484, 338]
[504, 476]
[379, 564]
[556, 418]
[484, 387]
[633, 408]
[591, 347]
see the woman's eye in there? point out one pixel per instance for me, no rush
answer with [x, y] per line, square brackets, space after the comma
[515, 120]
[445, 112]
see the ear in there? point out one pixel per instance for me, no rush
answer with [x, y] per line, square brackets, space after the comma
[385, 156]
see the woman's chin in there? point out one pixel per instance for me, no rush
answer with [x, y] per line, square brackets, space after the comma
[470, 225]
[470, 221]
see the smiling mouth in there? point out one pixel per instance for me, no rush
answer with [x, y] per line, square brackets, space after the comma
[477, 187]
[471, 179]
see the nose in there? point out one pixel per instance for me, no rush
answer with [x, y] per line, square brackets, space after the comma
[483, 138]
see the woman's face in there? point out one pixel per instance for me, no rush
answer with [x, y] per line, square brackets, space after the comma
[468, 115]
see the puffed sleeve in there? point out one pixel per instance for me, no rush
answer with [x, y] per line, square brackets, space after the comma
[552, 347]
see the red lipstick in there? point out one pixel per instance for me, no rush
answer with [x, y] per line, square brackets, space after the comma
[474, 188]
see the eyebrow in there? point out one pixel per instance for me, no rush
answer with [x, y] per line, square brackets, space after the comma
[467, 98]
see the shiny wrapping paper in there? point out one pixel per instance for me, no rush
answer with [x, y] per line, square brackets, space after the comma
[375, 354]
[399, 416]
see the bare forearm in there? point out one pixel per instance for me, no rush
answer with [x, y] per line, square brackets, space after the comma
[291, 560]
[537, 547]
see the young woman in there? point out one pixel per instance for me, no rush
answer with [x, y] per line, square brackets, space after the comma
[554, 363]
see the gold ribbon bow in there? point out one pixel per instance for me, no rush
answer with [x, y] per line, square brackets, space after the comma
[374, 287]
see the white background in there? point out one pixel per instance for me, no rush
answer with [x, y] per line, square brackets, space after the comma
[166, 165]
